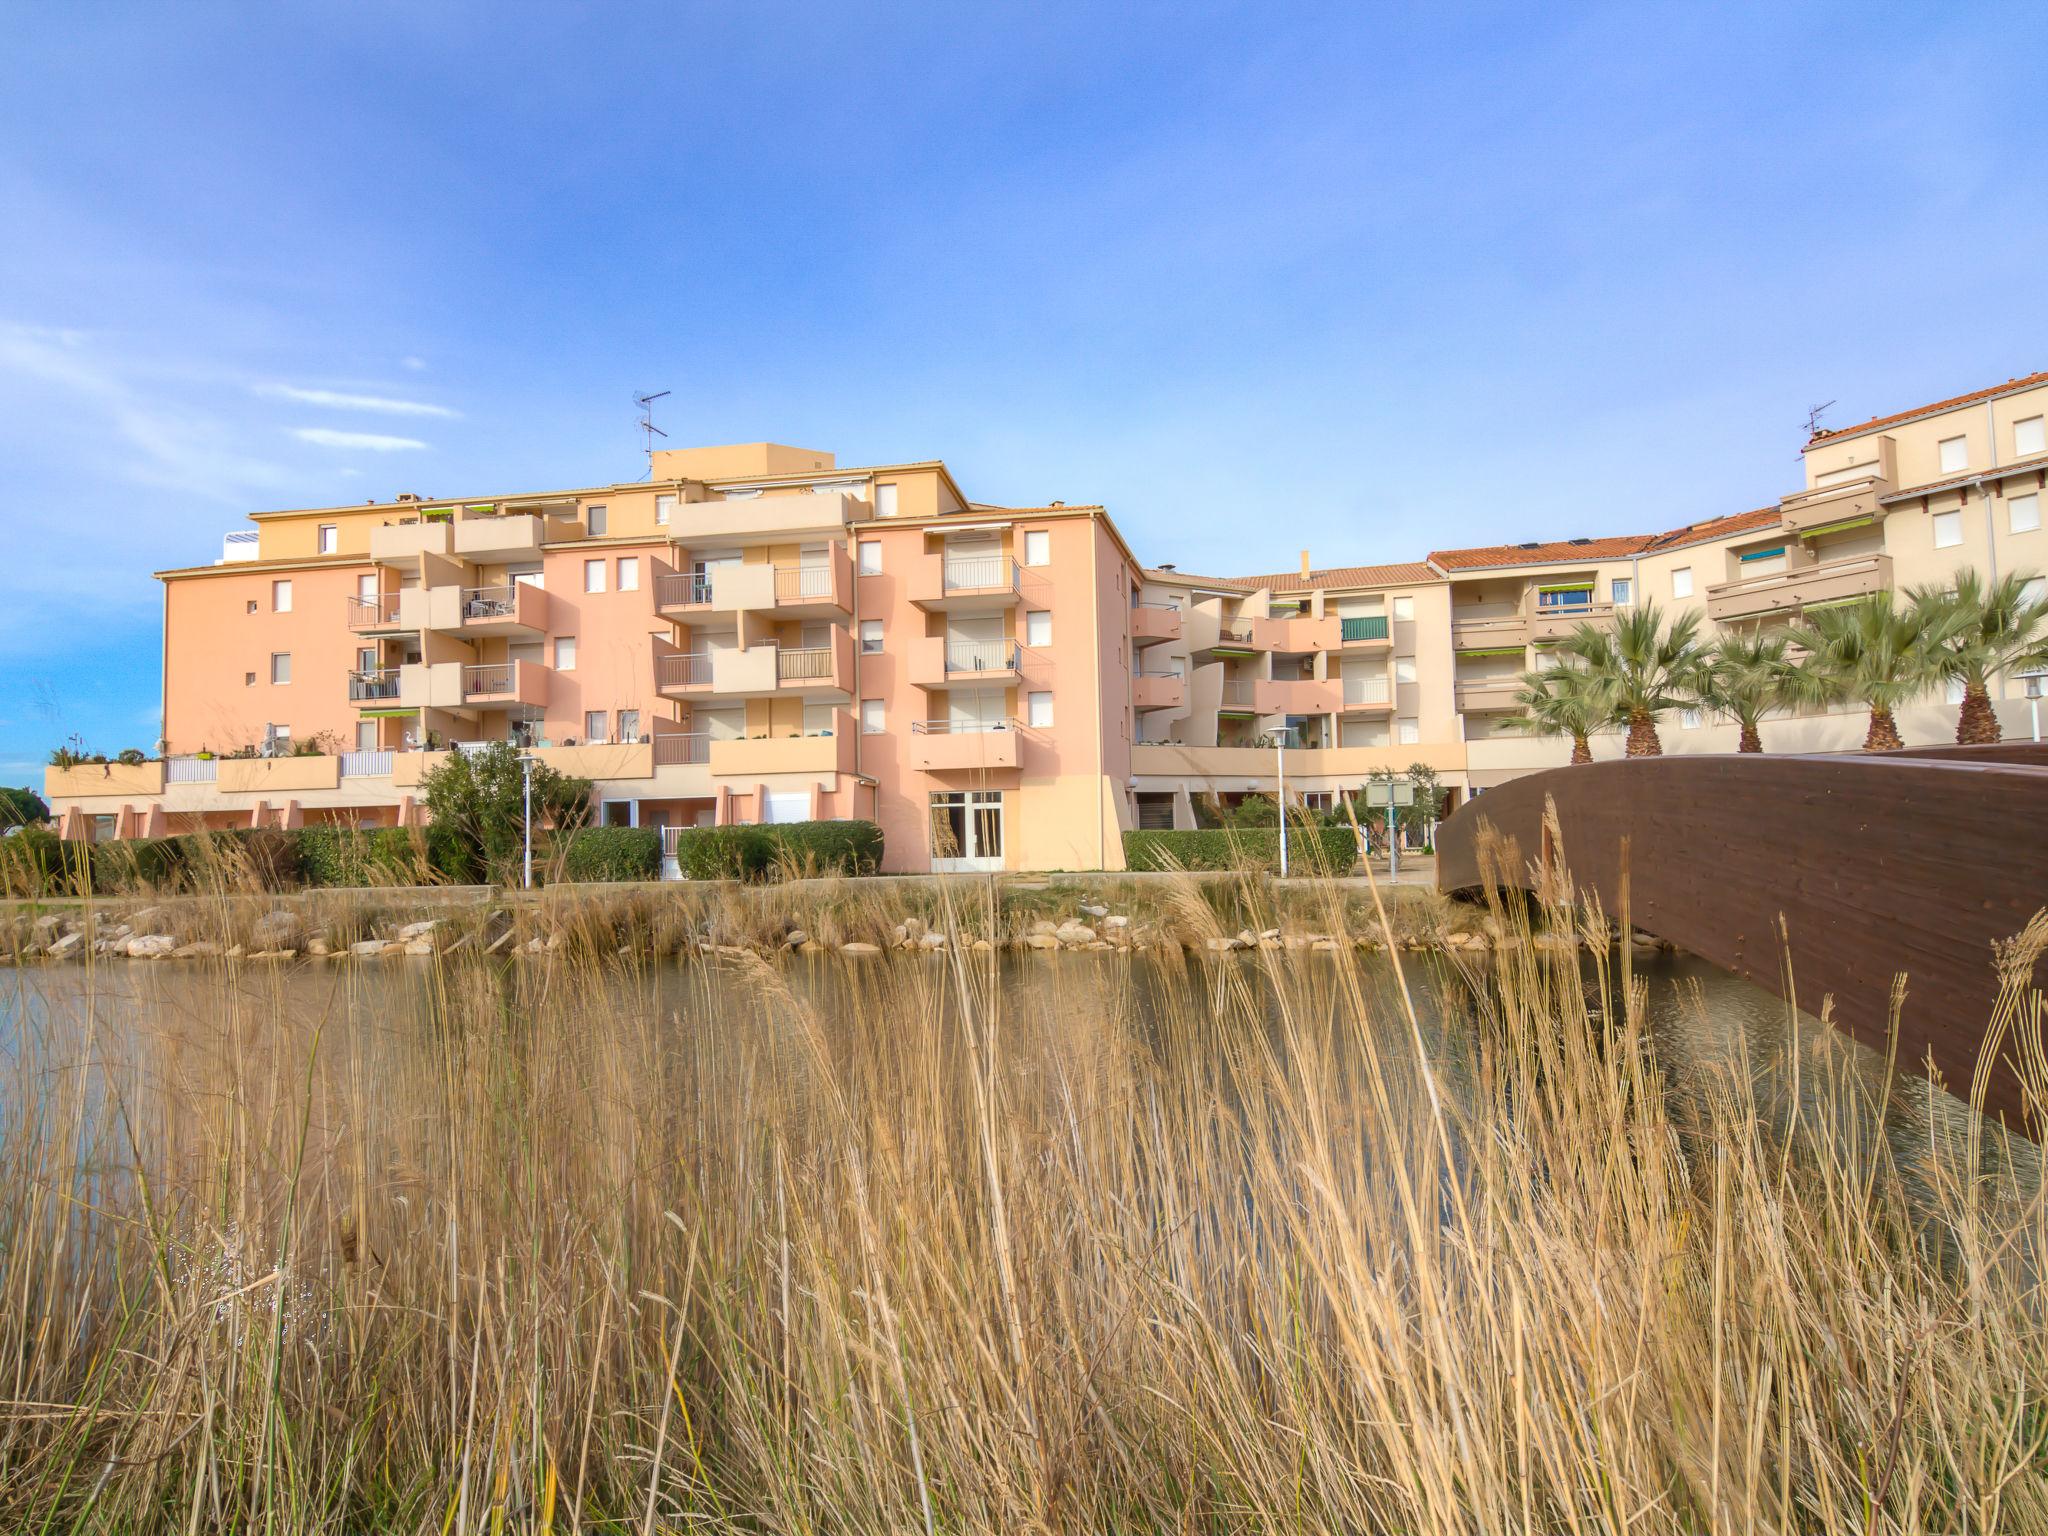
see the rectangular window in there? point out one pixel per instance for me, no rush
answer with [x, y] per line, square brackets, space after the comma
[1948, 529]
[280, 597]
[870, 557]
[1038, 710]
[1404, 669]
[280, 666]
[1955, 454]
[2025, 513]
[277, 739]
[595, 725]
[664, 510]
[1037, 546]
[1407, 732]
[1404, 610]
[366, 735]
[1621, 591]
[2029, 437]
[593, 575]
[565, 653]
[870, 637]
[2035, 591]
[629, 573]
[366, 588]
[330, 538]
[1038, 628]
[1681, 581]
[629, 725]
[366, 659]
[1689, 720]
[871, 719]
[598, 520]
[885, 501]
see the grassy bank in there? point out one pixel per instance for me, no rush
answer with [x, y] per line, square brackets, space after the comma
[1264, 1254]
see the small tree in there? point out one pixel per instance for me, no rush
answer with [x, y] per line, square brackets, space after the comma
[1744, 679]
[1987, 629]
[1872, 653]
[1563, 701]
[1647, 667]
[476, 803]
[21, 807]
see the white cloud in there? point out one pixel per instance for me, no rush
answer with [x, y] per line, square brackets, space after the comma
[337, 400]
[370, 442]
[414, 364]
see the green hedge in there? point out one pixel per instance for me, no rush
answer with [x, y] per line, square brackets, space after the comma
[613, 853]
[1310, 850]
[792, 849]
[337, 856]
[37, 862]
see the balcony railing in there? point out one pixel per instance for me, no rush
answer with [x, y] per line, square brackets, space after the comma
[365, 765]
[366, 687]
[487, 680]
[190, 770]
[981, 656]
[1237, 693]
[373, 612]
[682, 589]
[488, 602]
[804, 665]
[1237, 632]
[1371, 627]
[680, 747]
[960, 727]
[1367, 690]
[686, 669]
[978, 573]
[796, 583]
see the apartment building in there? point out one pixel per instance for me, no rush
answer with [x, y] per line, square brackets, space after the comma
[754, 633]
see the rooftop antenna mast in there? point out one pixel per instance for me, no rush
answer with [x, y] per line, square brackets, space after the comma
[1813, 416]
[648, 430]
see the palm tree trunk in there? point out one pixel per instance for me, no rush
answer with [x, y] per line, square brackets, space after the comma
[1642, 735]
[1581, 752]
[1977, 722]
[1751, 740]
[1884, 732]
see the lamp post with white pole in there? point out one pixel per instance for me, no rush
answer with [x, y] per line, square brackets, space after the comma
[526, 761]
[1280, 773]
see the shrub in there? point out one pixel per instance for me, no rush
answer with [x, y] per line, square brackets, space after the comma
[785, 850]
[21, 807]
[336, 856]
[613, 853]
[1310, 850]
[723, 853]
[477, 801]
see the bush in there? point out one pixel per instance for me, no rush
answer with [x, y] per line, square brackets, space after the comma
[723, 853]
[613, 853]
[1310, 850]
[788, 849]
[338, 856]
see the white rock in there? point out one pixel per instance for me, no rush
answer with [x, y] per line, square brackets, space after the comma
[150, 946]
[1094, 911]
[419, 930]
[932, 941]
[1041, 941]
[69, 944]
[858, 948]
[368, 947]
[1118, 921]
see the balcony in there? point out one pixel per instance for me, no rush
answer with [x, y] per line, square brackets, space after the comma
[1491, 632]
[759, 671]
[1368, 695]
[816, 590]
[519, 610]
[403, 542]
[1235, 637]
[678, 749]
[948, 746]
[814, 669]
[1487, 695]
[1153, 623]
[513, 536]
[1785, 593]
[820, 752]
[1296, 634]
[1851, 493]
[937, 662]
[1238, 696]
[504, 683]
[1158, 690]
[740, 520]
[941, 583]
[722, 589]
[1345, 765]
[92, 780]
[380, 686]
[1297, 696]
[1368, 632]
[1549, 623]
[366, 615]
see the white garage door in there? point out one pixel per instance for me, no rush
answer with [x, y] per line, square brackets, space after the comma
[788, 805]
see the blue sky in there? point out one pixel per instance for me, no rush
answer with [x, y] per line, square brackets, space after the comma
[1364, 279]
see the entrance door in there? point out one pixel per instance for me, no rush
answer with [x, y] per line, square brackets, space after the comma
[967, 831]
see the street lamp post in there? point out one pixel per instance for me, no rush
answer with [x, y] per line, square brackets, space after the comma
[1280, 749]
[526, 792]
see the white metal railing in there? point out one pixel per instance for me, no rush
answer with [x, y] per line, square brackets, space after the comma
[793, 583]
[381, 683]
[475, 748]
[803, 664]
[978, 572]
[372, 612]
[490, 678]
[239, 545]
[365, 765]
[981, 656]
[682, 589]
[682, 747]
[489, 602]
[190, 770]
[685, 669]
[960, 727]
[1367, 690]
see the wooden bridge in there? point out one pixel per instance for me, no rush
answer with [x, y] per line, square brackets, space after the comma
[1908, 863]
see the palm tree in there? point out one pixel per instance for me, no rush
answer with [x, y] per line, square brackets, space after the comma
[1648, 668]
[1563, 701]
[1991, 629]
[1745, 678]
[1871, 653]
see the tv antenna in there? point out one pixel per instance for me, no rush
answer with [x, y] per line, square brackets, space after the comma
[648, 430]
[1813, 415]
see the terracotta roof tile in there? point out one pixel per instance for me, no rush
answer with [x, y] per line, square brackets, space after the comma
[1936, 408]
[1714, 528]
[1401, 574]
[1538, 554]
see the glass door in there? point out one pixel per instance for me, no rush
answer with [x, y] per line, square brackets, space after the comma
[967, 831]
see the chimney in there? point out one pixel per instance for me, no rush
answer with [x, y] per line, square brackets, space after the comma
[1304, 565]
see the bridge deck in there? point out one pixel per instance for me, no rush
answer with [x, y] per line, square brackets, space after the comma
[1911, 862]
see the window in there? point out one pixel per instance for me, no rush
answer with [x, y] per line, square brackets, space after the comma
[1038, 709]
[2025, 513]
[565, 653]
[1404, 610]
[280, 597]
[629, 573]
[1407, 732]
[1954, 689]
[366, 588]
[598, 520]
[1037, 546]
[366, 735]
[664, 510]
[593, 575]
[1681, 581]
[2029, 437]
[252, 605]
[1955, 454]
[596, 725]
[1948, 529]
[1404, 669]
[870, 637]
[277, 739]
[885, 501]
[1038, 628]
[330, 538]
[248, 679]
[280, 666]
[2035, 591]
[629, 725]
[1621, 591]
[366, 659]
[870, 557]
[871, 719]
[1689, 720]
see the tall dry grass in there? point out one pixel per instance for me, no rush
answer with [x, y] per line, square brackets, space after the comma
[1089, 1243]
